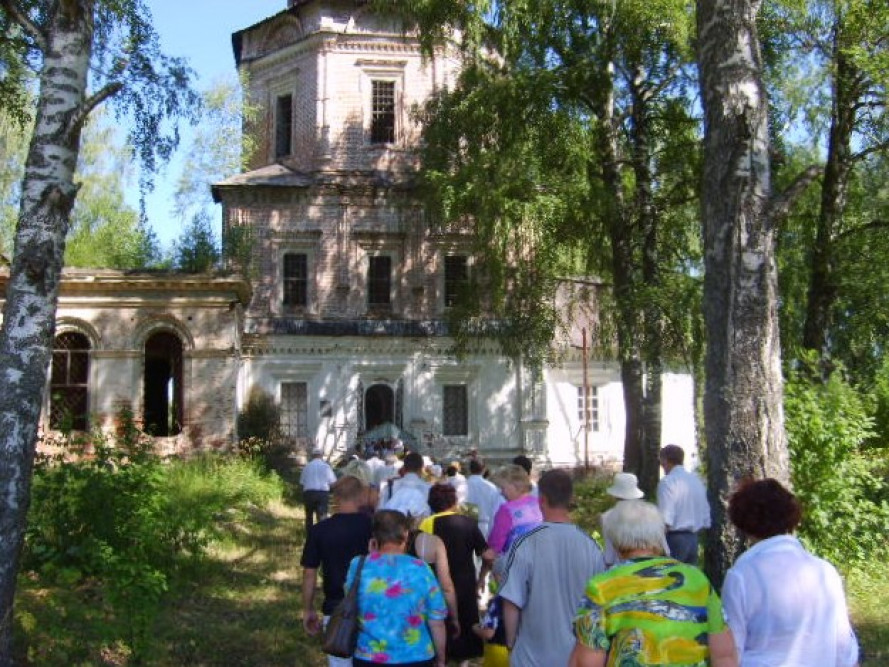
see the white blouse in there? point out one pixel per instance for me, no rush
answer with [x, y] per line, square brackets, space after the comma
[787, 607]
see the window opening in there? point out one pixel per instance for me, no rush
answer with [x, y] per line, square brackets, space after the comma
[591, 413]
[456, 275]
[382, 122]
[455, 420]
[69, 382]
[294, 409]
[379, 280]
[162, 410]
[283, 126]
[296, 279]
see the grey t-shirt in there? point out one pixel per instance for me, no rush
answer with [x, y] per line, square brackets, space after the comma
[547, 570]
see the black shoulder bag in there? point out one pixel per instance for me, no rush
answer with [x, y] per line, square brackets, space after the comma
[341, 634]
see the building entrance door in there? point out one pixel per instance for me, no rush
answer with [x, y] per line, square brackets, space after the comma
[379, 406]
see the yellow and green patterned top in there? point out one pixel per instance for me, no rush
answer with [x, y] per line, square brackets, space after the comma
[650, 611]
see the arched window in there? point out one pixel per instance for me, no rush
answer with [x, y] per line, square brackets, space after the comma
[69, 382]
[162, 409]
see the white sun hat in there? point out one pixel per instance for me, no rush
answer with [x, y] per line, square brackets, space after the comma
[625, 487]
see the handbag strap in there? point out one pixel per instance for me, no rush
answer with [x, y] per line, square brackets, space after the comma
[353, 589]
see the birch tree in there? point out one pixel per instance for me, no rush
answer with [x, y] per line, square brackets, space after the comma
[84, 52]
[743, 412]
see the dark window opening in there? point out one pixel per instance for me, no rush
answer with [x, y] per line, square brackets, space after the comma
[283, 126]
[69, 382]
[456, 276]
[382, 120]
[455, 420]
[294, 409]
[162, 410]
[379, 280]
[296, 280]
[379, 406]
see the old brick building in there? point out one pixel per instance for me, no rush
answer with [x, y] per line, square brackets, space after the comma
[343, 322]
[346, 324]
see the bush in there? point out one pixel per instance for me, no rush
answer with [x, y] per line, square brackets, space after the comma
[125, 519]
[846, 516]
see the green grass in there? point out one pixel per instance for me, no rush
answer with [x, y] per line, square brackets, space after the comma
[867, 591]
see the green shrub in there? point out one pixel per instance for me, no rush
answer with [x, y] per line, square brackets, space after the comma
[126, 519]
[846, 516]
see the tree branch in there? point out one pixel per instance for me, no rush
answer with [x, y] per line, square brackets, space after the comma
[876, 148]
[30, 28]
[781, 203]
[873, 225]
[86, 108]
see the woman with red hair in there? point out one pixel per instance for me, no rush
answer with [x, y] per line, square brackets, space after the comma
[784, 605]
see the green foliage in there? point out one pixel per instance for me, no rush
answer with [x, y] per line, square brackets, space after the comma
[845, 500]
[591, 501]
[260, 418]
[218, 149]
[196, 250]
[880, 409]
[116, 514]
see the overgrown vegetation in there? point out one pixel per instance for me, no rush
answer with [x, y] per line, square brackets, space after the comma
[841, 483]
[112, 520]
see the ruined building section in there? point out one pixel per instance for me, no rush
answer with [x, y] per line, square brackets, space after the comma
[164, 347]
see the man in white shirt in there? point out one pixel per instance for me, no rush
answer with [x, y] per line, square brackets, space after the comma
[458, 481]
[408, 494]
[316, 479]
[682, 499]
[483, 494]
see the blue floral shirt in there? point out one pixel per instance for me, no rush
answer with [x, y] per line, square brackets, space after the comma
[397, 595]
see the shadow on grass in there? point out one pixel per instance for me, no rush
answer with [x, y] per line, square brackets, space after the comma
[238, 605]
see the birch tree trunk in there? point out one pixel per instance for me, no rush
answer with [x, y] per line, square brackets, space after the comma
[48, 193]
[743, 398]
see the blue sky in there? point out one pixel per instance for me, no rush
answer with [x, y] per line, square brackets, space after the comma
[199, 30]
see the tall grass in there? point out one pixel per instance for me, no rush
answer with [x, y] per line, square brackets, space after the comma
[110, 536]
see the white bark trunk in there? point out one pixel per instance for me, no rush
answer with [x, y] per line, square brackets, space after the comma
[48, 193]
[743, 400]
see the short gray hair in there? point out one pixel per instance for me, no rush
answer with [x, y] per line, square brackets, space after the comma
[635, 524]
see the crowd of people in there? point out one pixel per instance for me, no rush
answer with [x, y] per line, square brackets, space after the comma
[489, 567]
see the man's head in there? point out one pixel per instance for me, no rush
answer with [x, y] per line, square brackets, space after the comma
[556, 489]
[671, 456]
[317, 453]
[524, 462]
[348, 490]
[442, 497]
[476, 467]
[413, 462]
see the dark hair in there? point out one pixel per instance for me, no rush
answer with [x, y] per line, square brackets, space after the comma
[476, 467]
[763, 508]
[557, 487]
[390, 527]
[673, 454]
[451, 471]
[413, 462]
[442, 496]
[524, 461]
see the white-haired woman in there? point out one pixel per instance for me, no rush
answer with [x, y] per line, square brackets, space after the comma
[649, 609]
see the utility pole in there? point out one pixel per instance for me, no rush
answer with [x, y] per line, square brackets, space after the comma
[586, 406]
